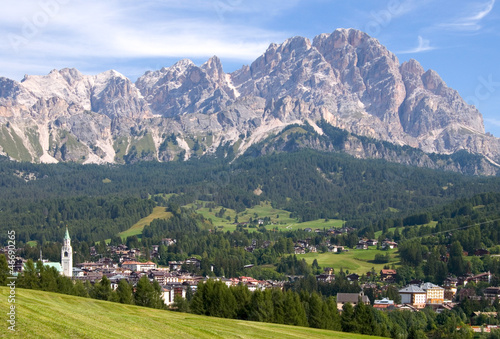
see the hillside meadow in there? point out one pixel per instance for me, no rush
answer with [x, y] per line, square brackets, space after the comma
[358, 261]
[50, 315]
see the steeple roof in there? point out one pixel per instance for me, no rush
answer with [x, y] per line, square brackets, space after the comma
[66, 236]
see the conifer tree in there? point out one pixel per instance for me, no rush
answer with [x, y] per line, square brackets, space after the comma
[363, 318]
[144, 293]
[124, 292]
[4, 270]
[334, 321]
[347, 318]
[79, 289]
[197, 305]
[278, 306]
[315, 311]
[242, 297]
[102, 289]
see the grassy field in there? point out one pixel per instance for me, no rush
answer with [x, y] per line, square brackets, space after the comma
[158, 213]
[280, 218]
[359, 261]
[51, 315]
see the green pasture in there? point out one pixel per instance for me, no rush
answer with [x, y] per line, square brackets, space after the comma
[280, 219]
[158, 213]
[358, 261]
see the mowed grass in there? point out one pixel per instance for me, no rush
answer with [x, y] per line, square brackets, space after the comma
[280, 218]
[356, 261]
[51, 315]
[158, 213]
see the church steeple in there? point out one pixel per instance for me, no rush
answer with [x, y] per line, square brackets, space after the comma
[67, 255]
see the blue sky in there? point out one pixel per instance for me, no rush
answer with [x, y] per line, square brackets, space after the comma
[458, 39]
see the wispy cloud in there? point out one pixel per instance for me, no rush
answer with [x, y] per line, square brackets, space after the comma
[471, 22]
[78, 30]
[424, 45]
[492, 121]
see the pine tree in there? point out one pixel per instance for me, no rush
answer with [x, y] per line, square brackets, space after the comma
[4, 270]
[315, 311]
[102, 289]
[197, 305]
[242, 296]
[124, 292]
[456, 263]
[363, 318]
[29, 279]
[261, 308]
[144, 293]
[347, 318]
[157, 296]
[334, 321]
[278, 306]
[79, 289]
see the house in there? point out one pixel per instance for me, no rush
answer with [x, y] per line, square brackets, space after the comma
[299, 250]
[335, 248]
[481, 252]
[389, 245]
[328, 270]
[361, 246]
[167, 294]
[194, 262]
[413, 295]
[492, 293]
[353, 277]
[388, 275]
[482, 277]
[326, 278]
[115, 280]
[175, 265]
[434, 293]
[308, 229]
[382, 304]
[466, 293]
[352, 298]
[372, 242]
[78, 272]
[450, 288]
[163, 277]
[139, 266]
[168, 241]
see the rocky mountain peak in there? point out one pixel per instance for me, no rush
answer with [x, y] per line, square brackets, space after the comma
[412, 66]
[345, 78]
[433, 82]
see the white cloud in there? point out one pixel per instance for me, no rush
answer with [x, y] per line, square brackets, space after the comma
[41, 31]
[424, 45]
[471, 22]
[492, 121]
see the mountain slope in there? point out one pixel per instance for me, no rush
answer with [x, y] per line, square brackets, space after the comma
[345, 78]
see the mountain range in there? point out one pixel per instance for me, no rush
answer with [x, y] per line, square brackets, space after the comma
[345, 80]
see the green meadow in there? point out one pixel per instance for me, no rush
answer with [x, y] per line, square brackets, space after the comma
[359, 261]
[158, 213]
[50, 315]
[280, 219]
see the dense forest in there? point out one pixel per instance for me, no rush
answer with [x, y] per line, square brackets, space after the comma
[99, 201]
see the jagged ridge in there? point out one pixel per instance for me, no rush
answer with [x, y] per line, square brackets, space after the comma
[346, 79]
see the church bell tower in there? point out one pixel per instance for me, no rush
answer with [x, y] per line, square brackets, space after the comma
[67, 256]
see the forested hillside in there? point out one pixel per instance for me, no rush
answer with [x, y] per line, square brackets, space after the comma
[100, 201]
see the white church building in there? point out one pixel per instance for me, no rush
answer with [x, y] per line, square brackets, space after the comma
[67, 256]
